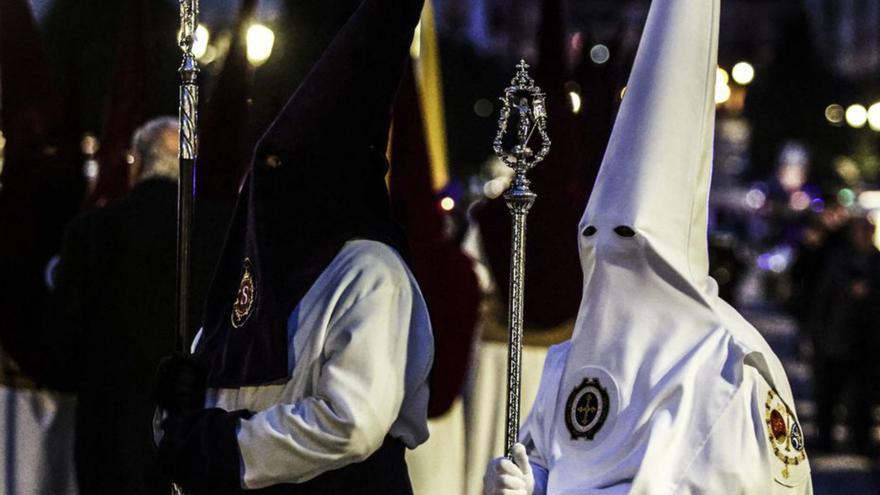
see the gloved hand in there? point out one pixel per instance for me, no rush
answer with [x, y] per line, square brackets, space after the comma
[180, 384]
[504, 477]
[199, 451]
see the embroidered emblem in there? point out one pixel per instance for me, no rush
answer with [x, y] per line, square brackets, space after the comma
[586, 409]
[244, 300]
[797, 437]
[777, 426]
[784, 433]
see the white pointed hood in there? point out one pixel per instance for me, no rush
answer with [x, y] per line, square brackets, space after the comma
[656, 356]
[656, 172]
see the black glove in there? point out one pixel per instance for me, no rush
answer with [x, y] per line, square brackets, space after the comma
[199, 451]
[180, 384]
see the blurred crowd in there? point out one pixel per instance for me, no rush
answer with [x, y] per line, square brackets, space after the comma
[835, 299]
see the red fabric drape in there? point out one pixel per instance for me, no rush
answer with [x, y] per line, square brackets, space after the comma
[442, 270]
[126, 106]
[41, 181]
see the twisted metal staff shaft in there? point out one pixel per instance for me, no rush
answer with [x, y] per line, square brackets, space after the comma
[519, 199]
[188, 113]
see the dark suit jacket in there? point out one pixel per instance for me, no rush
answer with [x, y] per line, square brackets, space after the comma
[111, 320]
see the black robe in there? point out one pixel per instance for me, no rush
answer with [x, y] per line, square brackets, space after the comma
[111, 319]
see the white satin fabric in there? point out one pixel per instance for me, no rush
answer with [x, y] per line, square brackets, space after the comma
[360, 354]
[36, 447]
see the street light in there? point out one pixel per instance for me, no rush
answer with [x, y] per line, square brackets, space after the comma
[874, 116]
[743, 73]
[447, 204]
[600, 54]
[575, 101]
[856, 116]
[260, 40]
[200, 41]
[722, 92]
[835, 114]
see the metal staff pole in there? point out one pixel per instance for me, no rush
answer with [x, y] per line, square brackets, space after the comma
[527, 100]
[189, 99]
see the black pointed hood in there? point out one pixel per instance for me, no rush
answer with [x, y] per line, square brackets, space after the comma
[317, 181]
[223, 156]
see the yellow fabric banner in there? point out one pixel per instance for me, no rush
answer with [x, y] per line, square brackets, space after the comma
[426, 57]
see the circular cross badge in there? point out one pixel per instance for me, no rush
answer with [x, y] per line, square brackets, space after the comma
[586, 409]
[244, 300]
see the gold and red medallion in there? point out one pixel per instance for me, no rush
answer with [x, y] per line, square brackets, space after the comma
[784, 433]
[244, 300]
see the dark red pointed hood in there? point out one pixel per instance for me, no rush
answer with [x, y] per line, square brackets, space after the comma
[222, 155]
[444, 273]
[126, 106]
[317, 181]
[41, 181]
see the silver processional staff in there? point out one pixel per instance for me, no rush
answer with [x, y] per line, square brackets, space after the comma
[189, 100]
[527, 101]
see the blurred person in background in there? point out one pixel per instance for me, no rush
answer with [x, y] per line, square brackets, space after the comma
[844, 333]
[821, 235]
[725, 265]
[112, 313]
[807, 269]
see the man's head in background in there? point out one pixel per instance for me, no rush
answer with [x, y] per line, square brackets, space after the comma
[154, 148]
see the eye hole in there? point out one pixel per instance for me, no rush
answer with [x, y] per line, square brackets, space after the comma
[624, 231]
[589, 231]
[273, 161]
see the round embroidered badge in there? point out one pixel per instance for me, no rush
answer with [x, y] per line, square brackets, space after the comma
[244, 300]
[785, 435]
[797, 437]
[586, 409]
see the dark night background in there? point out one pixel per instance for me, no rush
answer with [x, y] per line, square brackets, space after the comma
[807, 55]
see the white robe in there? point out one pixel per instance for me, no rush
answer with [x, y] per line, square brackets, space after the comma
[360, 354]
[736, 458]
[36, 442]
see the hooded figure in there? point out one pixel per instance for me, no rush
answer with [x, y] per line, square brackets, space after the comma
[40, 190]
[316, 336]
[663, 388]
